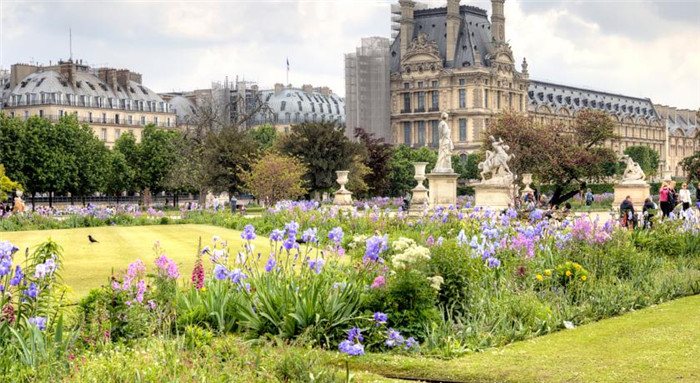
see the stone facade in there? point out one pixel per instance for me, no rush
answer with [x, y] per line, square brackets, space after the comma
[111, 101]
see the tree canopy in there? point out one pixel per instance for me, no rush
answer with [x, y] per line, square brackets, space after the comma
[402, 171]
[275, 177]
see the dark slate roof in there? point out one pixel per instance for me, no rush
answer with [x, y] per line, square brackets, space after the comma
[474, 32]
[557, 96]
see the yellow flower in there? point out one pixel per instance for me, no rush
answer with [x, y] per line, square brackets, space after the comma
[539, 277]
[548, 272]
[577, 266]
[568, 273]
[204, 288]
[583, 277]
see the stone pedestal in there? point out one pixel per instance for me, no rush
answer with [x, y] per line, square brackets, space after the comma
[342, 197]
[442, 189]
[494, 197]
[638, 191]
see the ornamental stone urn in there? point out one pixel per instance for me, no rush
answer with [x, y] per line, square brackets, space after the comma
[420, 193]
[342, 197]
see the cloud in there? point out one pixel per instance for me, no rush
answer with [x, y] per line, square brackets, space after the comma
[643, 49]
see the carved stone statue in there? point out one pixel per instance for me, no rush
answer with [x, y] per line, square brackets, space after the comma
[445, 146]
[496, 164]
[633, 172]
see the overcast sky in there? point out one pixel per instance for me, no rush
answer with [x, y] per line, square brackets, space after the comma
[637, 48]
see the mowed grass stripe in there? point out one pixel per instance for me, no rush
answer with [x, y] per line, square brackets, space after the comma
[87, 265]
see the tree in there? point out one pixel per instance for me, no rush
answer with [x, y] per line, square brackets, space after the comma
[7, 186]
[467, 169]
[565, 157]
[90, 157]
[646, 157]
[227, 155]
[275, 177]
[323, 148]
[401, 169]
[378, 156]
[119, 175]
[11, 153]
[157, 157]
[264, 135]
[126, 145]
[691, 166]
[359, 172]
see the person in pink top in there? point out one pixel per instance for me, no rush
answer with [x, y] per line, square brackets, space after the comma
[664, 194]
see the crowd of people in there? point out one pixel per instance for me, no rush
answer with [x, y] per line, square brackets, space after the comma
[670, 199]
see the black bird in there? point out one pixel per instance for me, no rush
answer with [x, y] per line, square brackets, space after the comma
[92, 240]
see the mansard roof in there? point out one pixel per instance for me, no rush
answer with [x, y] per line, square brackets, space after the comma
[556, 96]
[474, 35]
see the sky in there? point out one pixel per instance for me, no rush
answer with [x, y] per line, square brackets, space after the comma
[632, 47]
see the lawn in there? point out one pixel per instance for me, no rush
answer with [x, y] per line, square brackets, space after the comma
[89, 265]
[658, 344]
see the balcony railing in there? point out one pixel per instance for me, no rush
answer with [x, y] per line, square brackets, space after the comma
[106, 121]
[434, 109]
[419, 110]
[77, 103]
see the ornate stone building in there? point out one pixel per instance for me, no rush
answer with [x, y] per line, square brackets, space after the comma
[454, 59]
[111, 101]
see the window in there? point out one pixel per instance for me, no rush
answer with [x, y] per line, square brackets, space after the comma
[60, 113]
[143, 120]
[486, 98]
[299, 105]
[520, 102]
[320, 107]
[407, 133]
[463, 158]
[313, 108]
[117, 134]
[104, 118]
[462, 81]
[421, 100]
[90, 117]
[498, 100]
[405, 85]
[116, 119]
[510, 100]
[155, 120]
[435, 132]
[167, 122]
[406, 102]
[284, 105]
[435, 84]
[130, 120]
[41, 113]
[462, 129]
[421, 133]
[26, 114]
[420, 84]
[436, 100]
[104, 134]
[286, 129]
[462, 98]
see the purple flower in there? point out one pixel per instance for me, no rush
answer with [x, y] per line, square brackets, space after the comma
[351, 348]
[237, 276]
[17, 278]
[31, 291]
[410, 342]
[355, 334]
[316, 265]
[248, 233]
[291, 228]
[430, 241]
[277, 235]
[336, 235]
[461, 238]
[375, 246]
[220, 272]
[380, 317]
[493, 262]
[290, 243]
[378, 282]
[39, 322]
[270, 264]
[309, 235]
[394, 338]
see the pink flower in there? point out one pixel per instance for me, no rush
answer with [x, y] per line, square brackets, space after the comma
[198, 275]
[378, 282]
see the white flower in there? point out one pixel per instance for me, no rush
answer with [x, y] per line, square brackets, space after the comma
[436, 282]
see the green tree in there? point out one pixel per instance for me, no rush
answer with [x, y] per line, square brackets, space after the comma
[11, 153]
[158, 156]
[402, 171]
[467, 169]
[378, 155]
[119, 175]
[323, 148]
[90, 157]
[126, 145]
[264, 135]
[7, 186]
[227, 155]
[359, 172]
[275, 177]
[646, 157]
[565, 157]
[691, 167]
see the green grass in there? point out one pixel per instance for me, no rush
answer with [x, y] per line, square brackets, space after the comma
[658, 344]
[87, 265]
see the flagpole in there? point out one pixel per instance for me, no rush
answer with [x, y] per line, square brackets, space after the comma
[287, 70]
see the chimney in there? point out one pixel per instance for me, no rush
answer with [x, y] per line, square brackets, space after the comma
[453, 21]
[524, 71]
[278, 88]
[498, 21]
[406, 24]
[307, 88]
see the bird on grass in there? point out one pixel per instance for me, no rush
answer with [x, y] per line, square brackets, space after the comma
[92, 240]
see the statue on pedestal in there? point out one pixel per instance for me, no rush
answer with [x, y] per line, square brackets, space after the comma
[633, 172]
[445, 146]
[496, 164]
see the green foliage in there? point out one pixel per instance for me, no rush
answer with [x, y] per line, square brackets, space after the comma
[227, 155]
[265, 136]
[691, 166]
[646, 157]
[401, 169]
[7, 185]
[275, 177]
[378, 156]
[467, 169]
[323, 148]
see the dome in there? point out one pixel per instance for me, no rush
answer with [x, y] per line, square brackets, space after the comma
[293, 105]
[184, 109]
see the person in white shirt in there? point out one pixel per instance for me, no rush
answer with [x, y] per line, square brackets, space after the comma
[684, 196]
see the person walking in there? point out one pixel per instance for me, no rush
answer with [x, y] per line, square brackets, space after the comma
[589, 197]
[684, 196]
[664, 200]
[234, 204]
